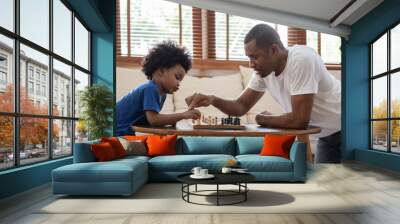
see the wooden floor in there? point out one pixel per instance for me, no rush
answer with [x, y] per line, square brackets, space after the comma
[378, 188]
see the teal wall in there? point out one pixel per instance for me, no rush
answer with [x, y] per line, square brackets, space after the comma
[103, 53]
[355, 93]
[24, 178]
[99, 16]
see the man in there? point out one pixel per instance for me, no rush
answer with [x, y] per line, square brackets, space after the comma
[298, 80]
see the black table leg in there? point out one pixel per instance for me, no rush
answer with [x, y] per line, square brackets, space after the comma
[245, 193]
[217, 194]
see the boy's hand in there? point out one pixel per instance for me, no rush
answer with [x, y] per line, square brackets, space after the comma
[192, 114]
[198, 100]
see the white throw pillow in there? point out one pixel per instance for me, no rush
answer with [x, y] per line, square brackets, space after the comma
[134, 147]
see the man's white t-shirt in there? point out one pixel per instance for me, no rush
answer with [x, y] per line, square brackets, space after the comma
[305, 73]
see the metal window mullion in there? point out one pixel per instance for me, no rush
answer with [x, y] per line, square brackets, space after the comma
[16, 84]
[389, 102]
[73, 82]
[371, 89]
[89, 51]
[50, 81]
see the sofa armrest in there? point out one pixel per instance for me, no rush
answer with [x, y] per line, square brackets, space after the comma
[83, 152]
[298, 157]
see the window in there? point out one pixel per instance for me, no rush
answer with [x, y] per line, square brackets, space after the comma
[328, 46]
[44, 91]
[62, 74]
[30, 87]
[38, 89]
[37, 75]
[81, 81]
[229, 45]
[149, 29]
[53, 130]
[30, 72]
[7, 14]
[7, 85]
[62, 29]
[81, 45]
[34, 22]
[62, 130]
[3, 61]
[3, 72]
[3, 78]
[385, 96]
[207, 34]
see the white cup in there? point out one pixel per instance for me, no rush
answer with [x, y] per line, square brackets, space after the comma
[196, 170]
[203, 172]
[226, 170]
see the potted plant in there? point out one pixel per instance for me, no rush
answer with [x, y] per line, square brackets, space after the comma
[96, 102]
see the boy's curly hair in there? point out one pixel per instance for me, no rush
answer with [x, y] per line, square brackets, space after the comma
[165, 55]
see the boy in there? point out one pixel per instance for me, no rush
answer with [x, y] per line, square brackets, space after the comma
[165, 66]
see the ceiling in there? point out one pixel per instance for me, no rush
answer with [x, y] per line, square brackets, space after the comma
[325, 16]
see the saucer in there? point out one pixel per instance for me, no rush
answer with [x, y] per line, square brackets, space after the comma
[208, 176]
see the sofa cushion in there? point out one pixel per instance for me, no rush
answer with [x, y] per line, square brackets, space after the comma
[277, 145]
[135, 137]
[206, 145]
[116, 145]
[257, 163]
[83, 152]
[112, 171]
[161, 145]
[249, 145]
[134, 147]
[103, 152]
[131, 158]
[185, 163]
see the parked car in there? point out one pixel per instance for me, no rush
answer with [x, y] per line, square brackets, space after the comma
[22, 155]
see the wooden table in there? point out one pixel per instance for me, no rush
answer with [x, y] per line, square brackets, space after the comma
[185, 128]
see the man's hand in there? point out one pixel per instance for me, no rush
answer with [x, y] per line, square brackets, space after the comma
[192, 114]
[198, 100]
[261, 119]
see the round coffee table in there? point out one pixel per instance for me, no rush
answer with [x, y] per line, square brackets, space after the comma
[238, 179]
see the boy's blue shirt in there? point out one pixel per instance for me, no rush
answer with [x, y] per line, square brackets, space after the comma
[131, 108]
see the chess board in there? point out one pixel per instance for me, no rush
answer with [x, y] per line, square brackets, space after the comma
[219, 126]
[208, 122]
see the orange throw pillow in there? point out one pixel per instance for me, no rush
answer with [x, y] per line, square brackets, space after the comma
[161, 145]
[103, 151]
[277, 145]
[116, 145]
[136, 137]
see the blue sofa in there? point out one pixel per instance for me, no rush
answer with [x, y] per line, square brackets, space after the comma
[125, 176]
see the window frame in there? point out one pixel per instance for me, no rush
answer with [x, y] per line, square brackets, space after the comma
[388, 74]
[210, 62]
[16, 115]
